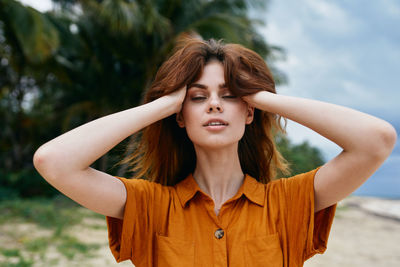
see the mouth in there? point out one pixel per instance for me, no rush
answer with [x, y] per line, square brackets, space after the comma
[216, 123]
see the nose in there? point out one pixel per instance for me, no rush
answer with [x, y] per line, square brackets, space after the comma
[215, 105]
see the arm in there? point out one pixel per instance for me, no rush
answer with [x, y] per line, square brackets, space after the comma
[366, 141]
[65, 161]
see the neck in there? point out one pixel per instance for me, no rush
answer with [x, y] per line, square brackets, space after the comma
[218, 173]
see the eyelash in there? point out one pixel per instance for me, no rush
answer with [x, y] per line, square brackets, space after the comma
[197, 98]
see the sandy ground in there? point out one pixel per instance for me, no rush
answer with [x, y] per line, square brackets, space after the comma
[365, 232]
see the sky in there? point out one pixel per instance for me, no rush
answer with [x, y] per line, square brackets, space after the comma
[346, 53]
[342, 52]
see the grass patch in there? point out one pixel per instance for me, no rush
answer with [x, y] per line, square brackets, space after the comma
[14, 258]
[37, 245]
[9, 252]
[97, 227]
[55, 215]
[70, 246]
[21, 262]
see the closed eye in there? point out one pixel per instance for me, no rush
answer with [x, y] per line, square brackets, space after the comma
[229, 96]
[197, 98]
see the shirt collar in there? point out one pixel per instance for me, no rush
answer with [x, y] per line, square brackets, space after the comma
[251, 188]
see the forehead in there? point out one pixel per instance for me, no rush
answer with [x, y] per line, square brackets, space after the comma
[213, 68]
[212, 76]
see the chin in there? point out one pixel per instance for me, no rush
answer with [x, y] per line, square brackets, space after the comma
[215, 140]
[216, 143]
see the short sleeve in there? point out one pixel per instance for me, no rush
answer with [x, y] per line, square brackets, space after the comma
[308, 232]
[132, 237]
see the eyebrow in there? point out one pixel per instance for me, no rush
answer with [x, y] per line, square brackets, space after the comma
[202, 86]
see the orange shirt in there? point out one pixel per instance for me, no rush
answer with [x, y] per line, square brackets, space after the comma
[262, 225]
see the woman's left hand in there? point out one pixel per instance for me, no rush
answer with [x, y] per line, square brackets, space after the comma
[255, 100]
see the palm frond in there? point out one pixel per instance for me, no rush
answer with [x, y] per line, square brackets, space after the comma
[32, 31]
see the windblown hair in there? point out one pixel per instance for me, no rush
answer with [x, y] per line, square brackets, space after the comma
[164, 153]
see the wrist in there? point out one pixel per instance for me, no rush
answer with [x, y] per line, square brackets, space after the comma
[259, 100]
[167, 105]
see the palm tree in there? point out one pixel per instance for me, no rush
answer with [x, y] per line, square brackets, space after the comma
[28, 41]
[90, 58]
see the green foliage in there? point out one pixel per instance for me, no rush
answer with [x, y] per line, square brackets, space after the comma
[26, 182]
[301, 158]
[63, 68]
[31, 32]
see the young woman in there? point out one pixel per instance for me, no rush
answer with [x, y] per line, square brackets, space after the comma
[208, 159]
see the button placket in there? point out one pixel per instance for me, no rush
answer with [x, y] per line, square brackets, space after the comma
[220, 249]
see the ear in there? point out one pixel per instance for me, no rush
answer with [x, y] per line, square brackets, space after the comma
[179, 120]
[250, 114]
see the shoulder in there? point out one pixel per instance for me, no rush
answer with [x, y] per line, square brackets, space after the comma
[300, 178]
[303, 182]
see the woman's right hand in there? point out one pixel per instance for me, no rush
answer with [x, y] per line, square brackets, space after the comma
[177, 97]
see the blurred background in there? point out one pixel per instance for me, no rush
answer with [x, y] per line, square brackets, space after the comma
[66, 62]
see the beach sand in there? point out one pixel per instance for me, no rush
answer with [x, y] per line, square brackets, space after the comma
[365, 232]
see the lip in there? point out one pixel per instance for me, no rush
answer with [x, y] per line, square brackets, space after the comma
[214, 128]
[215, 120]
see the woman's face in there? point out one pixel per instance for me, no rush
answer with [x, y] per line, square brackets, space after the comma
[212, 116]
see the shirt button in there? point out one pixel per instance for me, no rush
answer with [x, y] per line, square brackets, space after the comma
[219, 233]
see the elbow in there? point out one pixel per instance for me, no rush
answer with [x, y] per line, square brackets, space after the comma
[39, 159]
[386, 140]
[42, 161]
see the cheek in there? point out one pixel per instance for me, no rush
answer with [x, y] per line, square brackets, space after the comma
[186, 112]
[191, 115]
[239, 119]
[240, 112]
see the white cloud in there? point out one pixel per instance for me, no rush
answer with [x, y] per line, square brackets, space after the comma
[327, 10]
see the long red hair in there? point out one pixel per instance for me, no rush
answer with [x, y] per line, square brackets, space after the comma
[164, 153]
